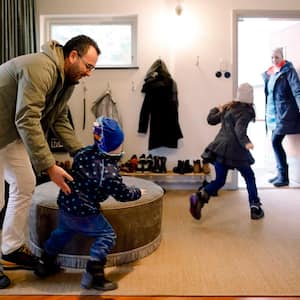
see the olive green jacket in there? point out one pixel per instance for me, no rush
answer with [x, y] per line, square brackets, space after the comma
[33, 98]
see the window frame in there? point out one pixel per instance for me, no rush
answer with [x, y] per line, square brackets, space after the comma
[47, 21]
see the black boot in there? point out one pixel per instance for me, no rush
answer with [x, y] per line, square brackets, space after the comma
[256, 212]
[156, 164]
[188, 168]
[282, 178]
[163, 164]
[94, 277]
[197, 201]
[47, 266]
[4, 280]
[179, 168]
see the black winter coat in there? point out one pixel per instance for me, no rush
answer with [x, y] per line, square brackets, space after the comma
[228, 146]
[160, 106]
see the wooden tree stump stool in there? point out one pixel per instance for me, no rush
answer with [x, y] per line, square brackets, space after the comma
[137, 225]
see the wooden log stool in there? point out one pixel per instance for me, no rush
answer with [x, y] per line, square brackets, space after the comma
[137, 225]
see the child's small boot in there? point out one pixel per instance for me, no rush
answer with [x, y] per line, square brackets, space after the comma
[94, 277]
[256, 212]
[47, 266]
[197, 201]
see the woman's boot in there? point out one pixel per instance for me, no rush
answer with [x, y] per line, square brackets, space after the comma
[283, 177]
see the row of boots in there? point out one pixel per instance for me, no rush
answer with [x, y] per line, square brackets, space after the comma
[184, 166]
[93, 276]
[155, 164]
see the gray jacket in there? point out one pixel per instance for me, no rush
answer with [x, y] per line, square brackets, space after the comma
[33, 98]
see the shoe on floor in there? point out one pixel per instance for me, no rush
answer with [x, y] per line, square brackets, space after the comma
[279, 183]
[256, 212]
[195, 206]
[47, 266]
[4, 281]
[22, 258]
[96, 282]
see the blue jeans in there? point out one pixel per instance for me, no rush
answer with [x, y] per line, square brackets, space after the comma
[221, 175]
[280, 155]
[95, 226]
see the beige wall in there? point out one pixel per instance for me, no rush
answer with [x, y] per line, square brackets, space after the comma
[205, 31]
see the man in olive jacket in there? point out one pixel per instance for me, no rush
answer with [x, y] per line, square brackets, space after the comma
[34, 90]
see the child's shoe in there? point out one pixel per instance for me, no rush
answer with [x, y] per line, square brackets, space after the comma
[195, 206]
[256, 212]
[94, 277]
[47, 266]
[197, 201]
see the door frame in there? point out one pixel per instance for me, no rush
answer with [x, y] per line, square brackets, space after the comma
[236, 15]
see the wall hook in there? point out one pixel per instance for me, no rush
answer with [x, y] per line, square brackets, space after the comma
[197, 61]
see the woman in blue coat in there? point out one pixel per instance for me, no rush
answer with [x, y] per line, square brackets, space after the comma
[282, 90]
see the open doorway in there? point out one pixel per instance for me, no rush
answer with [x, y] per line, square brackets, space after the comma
[256, 36]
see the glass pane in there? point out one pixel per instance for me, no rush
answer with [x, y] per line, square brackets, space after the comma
[114, 40]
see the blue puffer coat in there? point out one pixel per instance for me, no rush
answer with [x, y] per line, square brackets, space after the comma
[285, 94]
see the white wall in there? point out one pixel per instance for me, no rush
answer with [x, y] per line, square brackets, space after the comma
[204, 30]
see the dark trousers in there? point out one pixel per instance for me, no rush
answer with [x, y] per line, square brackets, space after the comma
[279, 153]
[221, 175]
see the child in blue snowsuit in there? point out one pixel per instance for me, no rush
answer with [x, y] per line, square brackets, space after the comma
[96, 177]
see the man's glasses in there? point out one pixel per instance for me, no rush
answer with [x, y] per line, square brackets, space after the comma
[88, 66]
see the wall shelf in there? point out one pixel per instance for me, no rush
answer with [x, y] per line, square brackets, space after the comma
[171, 180]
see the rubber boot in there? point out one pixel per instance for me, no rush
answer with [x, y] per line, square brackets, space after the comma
[163, 164]
[283, 177]
[94, 277]
[156, 164]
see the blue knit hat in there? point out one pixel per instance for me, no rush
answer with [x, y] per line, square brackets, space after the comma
[108, 134]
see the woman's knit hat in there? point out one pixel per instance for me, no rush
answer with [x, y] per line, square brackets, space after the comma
[278, 51]
[108, 134]
[245, 93]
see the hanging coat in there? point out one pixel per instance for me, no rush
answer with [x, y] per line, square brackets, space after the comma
[160, 108]
[106, 106]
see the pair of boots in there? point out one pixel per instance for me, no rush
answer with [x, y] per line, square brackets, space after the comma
[183, 167]
[93, 277]
[282, 177]
[159, 164]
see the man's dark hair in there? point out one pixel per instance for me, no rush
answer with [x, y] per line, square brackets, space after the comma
[81, 44]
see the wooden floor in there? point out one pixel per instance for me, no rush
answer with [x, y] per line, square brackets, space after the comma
[78, 297]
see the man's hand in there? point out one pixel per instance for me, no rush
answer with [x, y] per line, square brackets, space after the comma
[58, 176]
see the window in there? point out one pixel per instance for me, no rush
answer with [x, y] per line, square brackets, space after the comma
[116, 36]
